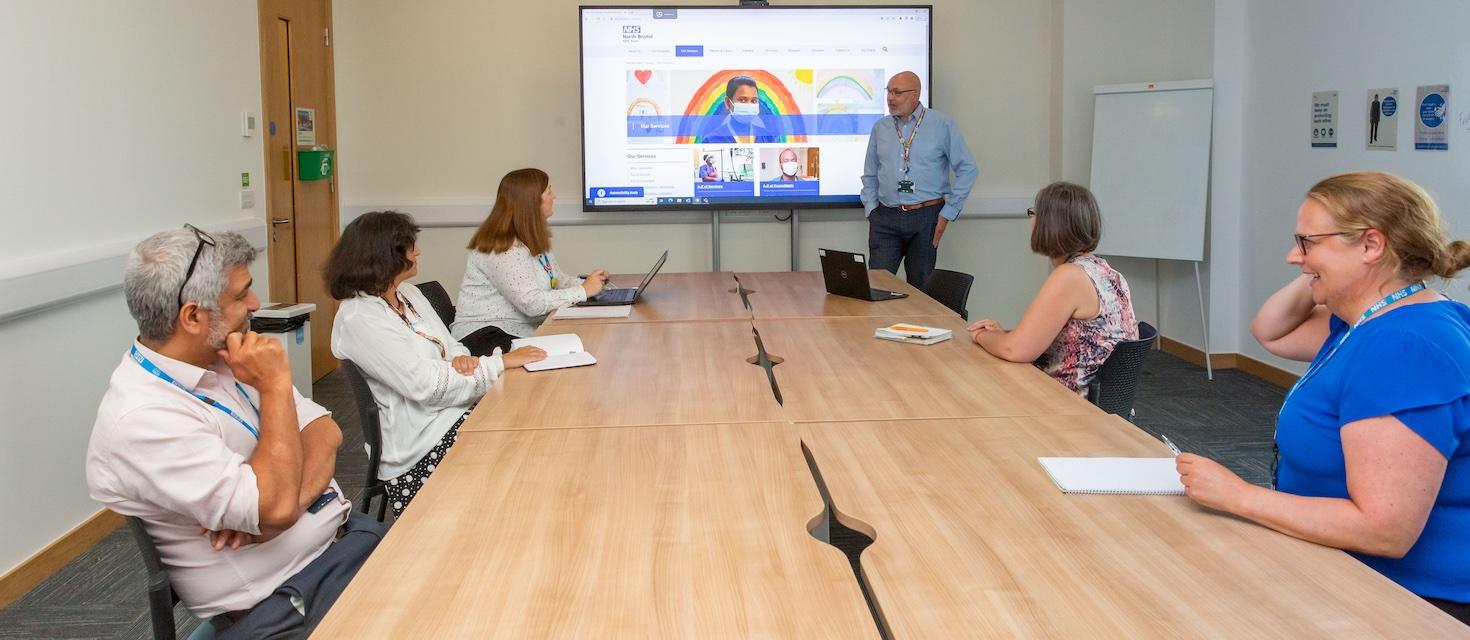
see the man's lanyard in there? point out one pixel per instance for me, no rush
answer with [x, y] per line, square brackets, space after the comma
[148, 366]
[546, 264]
[437, 342]
[910, 141]
[1321, 362]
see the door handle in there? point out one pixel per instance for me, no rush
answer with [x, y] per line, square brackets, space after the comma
[276, 221]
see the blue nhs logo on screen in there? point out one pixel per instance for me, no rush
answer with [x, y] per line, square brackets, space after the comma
[632, 28]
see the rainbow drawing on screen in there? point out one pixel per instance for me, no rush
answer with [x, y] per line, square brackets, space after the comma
[846, 85]
[774, 98]
[644, 107]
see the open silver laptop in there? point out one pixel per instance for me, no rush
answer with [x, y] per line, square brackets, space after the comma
[613, 297]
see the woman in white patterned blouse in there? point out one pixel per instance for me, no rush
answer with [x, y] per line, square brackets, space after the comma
[425, 382]
[512, 282]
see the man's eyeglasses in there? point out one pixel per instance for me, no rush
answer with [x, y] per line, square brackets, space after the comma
[204, 239]
[899, 92]
[1302, 240]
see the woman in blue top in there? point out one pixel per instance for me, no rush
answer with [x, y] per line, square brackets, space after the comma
[1374, 439]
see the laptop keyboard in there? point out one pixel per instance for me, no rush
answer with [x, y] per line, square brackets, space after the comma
[615, 295]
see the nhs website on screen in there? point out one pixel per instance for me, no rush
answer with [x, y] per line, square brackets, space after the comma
[731, 107]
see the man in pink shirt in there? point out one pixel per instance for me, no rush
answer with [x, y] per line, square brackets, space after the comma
[202, 436]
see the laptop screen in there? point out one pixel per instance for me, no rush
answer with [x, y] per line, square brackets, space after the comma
[649, 278]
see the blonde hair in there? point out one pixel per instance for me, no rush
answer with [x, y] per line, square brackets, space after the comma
[1403, 212]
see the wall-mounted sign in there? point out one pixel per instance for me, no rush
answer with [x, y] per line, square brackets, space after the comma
[1324, 119]
[1383, 119]
[1432, 118]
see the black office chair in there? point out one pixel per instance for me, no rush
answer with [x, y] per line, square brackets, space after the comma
[161, 596]
[439, 299]
[951, 289]
[1116, 384]
[372, 434]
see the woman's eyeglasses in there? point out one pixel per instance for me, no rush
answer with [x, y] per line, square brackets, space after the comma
[1302, 240]
[204, 239]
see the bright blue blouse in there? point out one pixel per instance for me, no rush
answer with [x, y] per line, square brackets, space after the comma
[1411, 362]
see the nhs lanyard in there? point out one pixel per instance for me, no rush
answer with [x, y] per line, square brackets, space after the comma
[546, 264]
[1317, 365]
[404, 317]
[1377, 306]
[906, 144]
[148, 366]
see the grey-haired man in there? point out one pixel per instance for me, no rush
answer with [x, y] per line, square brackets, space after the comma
[202, 437]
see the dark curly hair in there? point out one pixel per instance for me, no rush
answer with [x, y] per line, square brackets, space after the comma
[372, 251]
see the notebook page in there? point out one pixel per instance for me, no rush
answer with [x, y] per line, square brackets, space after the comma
[1149, 476]
[553, 345]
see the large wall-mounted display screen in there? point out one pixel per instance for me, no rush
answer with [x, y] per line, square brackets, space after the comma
[722, 108]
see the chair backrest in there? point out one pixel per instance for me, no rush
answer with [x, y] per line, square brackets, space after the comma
[439, 299]
[161, 597]
[368, 416]
[951, 289]
[1116, 384]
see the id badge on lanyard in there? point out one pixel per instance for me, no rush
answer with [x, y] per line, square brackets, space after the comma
[906, 185]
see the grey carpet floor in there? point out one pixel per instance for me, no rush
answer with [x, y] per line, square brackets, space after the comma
[102, 593]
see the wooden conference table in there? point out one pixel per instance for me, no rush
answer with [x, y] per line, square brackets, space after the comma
[664, 492]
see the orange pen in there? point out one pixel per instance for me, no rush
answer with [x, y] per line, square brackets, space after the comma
[909, 329]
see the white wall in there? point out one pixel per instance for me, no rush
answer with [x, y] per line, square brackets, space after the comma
[122, 119]
[1128, 41]
[1293, 49]
[438, 100]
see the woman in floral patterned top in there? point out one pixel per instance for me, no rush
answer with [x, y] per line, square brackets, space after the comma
[1083, 308]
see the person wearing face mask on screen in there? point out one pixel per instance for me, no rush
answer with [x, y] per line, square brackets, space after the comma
[739, 119]
[791, 166]
[707, 171]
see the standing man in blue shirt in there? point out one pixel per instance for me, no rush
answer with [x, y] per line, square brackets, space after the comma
[907, 192]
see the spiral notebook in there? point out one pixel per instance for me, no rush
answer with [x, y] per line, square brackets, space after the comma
[1136, 476]
[562, 350]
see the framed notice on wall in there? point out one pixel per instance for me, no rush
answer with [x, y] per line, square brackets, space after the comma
[1324, 119]
[305, 127]
[1383, 119]
[1432, 118]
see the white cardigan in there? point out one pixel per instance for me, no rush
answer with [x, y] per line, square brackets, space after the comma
[420, 395]
[512, 291]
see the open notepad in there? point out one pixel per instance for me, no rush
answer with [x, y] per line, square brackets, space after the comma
[562, 350]
[1146, 476]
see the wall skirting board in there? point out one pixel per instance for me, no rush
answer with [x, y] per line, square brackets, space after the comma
[469, 212]
[1246, 364]
[36, 283]
[45, 562]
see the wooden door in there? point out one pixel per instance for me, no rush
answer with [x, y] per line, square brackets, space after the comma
[297, 73]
